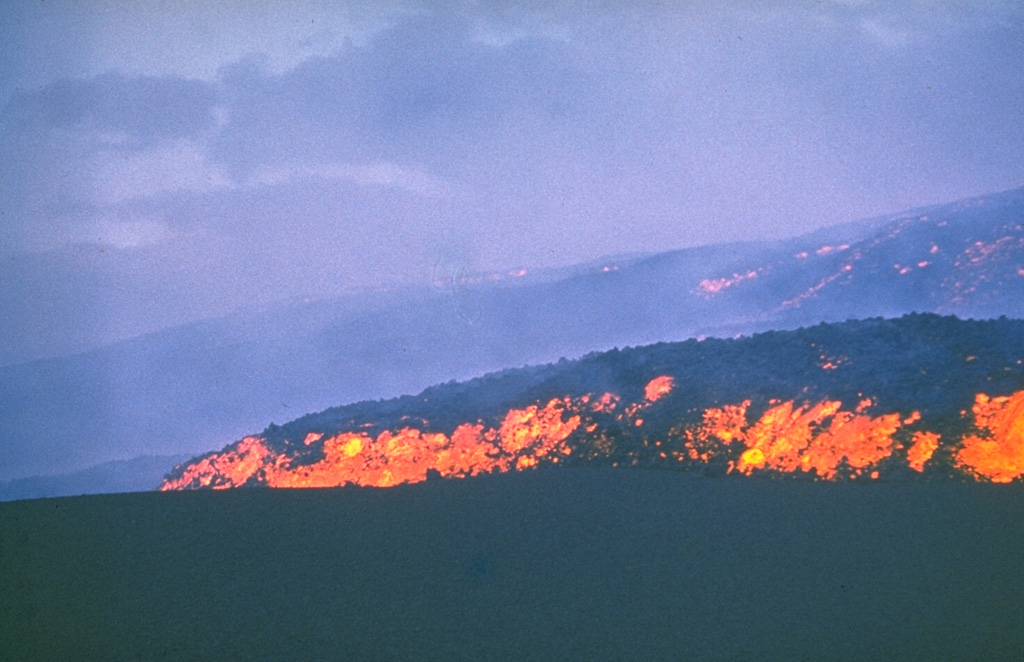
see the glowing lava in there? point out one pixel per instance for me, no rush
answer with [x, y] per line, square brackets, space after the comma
[924, 446]
[820, 440]
[403, 456]
[709, 287]
[998, 452]
[658, 387]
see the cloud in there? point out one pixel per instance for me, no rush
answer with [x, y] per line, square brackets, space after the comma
[535, 133]
[414, 92]
[886, 33]
[119, 175]
[899, 25]
[188, 39]
[181, 166]
[124, 234]
[383, 174]
[135, 112]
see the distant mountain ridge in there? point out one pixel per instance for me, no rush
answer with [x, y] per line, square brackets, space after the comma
[186, 389]
[136, 475]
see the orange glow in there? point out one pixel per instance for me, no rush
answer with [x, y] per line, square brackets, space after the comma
[924, 445]
[825, 250]
[817, 287]
[819, 439]
[831, 362]
[779, 436]
[708, 288]
[997, 453]
[403, 456]
[861, 440]
[537, 428]
[227, 469]
[525, 462]
[720, 425]
[658, 387]
[752, 457]
[725, 423]
[981, 250]
[606, 403]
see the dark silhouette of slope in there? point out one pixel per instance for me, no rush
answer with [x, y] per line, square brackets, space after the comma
[547, 565]
[185, 389]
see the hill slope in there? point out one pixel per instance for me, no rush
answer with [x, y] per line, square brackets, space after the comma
[918, 396]
[185, 389]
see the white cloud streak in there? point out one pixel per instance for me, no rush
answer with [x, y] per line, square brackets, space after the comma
[183, 166]
[382, 174]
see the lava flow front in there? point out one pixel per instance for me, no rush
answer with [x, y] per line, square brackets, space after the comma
[820, 440]
[403, 456]
[997, 453]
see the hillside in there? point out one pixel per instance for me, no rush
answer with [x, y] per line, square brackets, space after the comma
[186, 389]
[921, 396]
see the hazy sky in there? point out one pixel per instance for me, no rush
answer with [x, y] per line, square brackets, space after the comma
[166, 161]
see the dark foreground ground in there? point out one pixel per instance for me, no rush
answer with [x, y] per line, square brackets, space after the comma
[571, 564]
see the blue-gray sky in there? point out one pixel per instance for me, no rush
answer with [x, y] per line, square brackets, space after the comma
[168, 161]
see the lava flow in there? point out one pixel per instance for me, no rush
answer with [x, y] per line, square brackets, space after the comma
[820, 440]
[997, 453]
[403, 456]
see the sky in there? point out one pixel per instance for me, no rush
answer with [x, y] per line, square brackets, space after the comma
[170, 161]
